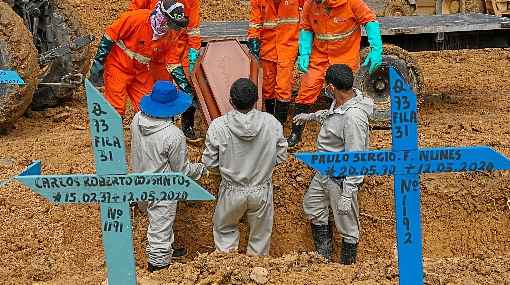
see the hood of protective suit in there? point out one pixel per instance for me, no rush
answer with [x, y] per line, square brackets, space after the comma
[361, 102]
[245, 126]
[149, 126]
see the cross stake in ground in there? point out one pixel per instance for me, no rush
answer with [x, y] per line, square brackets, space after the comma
[406, 161]
[112, 187]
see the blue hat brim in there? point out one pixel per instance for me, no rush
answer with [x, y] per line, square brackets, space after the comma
[160, 110]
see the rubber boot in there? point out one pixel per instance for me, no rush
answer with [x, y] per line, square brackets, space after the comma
[281, 110]
[153, 268]
[187, 125]
[322, 237]
[295, 136]
[270, 105]
[348, 253]
[179, 252]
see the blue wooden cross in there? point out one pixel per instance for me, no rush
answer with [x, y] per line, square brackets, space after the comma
[406, 161]
[10, 77]
[112, 187]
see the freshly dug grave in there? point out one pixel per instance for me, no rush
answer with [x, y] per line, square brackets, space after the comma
[465, 216]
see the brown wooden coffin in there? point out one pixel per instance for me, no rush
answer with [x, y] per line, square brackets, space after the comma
[222, 63]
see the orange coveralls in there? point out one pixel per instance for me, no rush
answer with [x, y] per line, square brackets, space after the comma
[136, 60]
[190, 39]
[277, 28]
[336, 25]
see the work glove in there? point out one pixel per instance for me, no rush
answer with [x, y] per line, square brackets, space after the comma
[192, 58]
[97, 69]
[302, 118]
[345, 201]
[254, 47]
[180, 80]
[305, 49]
[374, 57]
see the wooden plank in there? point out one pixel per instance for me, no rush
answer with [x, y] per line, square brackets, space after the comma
[389, 25]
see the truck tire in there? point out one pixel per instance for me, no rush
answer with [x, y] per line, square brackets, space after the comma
[64, 26]
[397, 8]
[17, 52]
[447, 7]
[377, 85]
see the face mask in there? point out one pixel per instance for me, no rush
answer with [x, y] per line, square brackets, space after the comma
[159, 22]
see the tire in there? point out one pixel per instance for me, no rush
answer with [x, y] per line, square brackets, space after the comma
[17, 52]
[65, 27]
[404, 63]
[447, 7]
[398, 8]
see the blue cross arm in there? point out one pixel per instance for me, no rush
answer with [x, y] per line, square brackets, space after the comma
[356, 163]
[115, 188]
[10, 77]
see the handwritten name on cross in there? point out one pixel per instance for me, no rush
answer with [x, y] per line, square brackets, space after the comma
[406, 161]
[112, 187]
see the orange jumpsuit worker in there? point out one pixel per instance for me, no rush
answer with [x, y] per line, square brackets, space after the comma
[273, 37]
[184, 56]
[330, 33]
[134, 50]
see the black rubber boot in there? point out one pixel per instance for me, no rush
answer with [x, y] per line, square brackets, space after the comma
[187, 125]
[348, 253]
[270, 105]
[322, 237]
[179, 252]
[281, 111]
[295, 137]
[154, 268]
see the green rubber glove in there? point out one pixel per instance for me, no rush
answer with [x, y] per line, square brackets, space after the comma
[97, 69]
[254, 47]
[305, 49]
[180, 80]
[374, 57]
[192, 58]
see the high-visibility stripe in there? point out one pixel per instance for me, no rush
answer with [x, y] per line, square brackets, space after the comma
[133, 55]
[171, 67]
[255, 26]
[193, 32]
[281, 21]
[335, 37]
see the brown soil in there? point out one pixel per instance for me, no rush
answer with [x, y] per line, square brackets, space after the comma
[465, 216]
[20, 54]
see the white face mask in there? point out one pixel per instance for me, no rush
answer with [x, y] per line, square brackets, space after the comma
[159, 22]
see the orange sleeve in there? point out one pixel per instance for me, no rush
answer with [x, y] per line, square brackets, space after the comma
[139, 4]
[255, 19]
[193, 30]
[305, 16]
[124, 26]
[361, 11]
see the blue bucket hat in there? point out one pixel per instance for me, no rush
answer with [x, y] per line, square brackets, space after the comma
[165, 101]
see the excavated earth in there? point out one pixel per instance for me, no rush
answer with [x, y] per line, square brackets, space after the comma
[466, 217]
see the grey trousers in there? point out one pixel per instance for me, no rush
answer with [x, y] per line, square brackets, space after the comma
[323, 193]
[160, 234]
[233, 203]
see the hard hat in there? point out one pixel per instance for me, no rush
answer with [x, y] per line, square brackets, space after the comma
[174, 11]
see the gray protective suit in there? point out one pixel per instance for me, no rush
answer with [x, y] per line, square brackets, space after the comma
[343, 129]
[245, 148]
[157, 145]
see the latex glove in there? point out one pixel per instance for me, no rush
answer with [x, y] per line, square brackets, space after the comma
[181, 80]
[308, 117]
[97, 69]
[192, 58]
[305, 49]
[254, 47]
[344, 205]
[374, 57]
